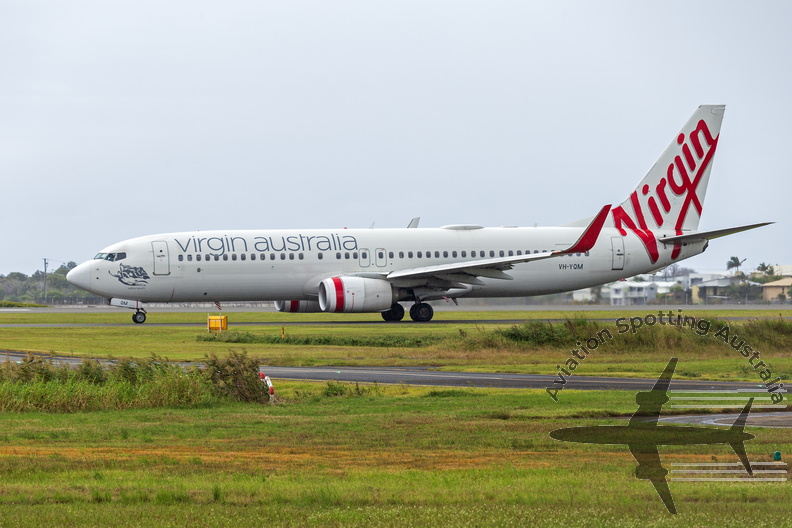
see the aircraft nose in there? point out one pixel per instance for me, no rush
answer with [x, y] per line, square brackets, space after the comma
[80, 276]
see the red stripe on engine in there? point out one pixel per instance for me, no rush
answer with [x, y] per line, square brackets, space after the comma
[339, 294]
[294, 306]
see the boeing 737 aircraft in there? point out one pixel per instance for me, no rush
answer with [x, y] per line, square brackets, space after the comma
[374, 270]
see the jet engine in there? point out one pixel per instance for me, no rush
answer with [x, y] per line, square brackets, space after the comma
[297, 306]
[355, 294]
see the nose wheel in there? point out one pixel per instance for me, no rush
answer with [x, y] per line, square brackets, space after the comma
[139, 317]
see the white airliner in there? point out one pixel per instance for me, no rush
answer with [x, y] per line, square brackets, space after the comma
[373, 270]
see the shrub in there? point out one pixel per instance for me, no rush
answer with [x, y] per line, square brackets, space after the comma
[236, 376]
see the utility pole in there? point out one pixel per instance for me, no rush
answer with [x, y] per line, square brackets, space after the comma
[46, 265]
[45, 280]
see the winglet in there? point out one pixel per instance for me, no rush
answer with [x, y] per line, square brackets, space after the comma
[591, 234]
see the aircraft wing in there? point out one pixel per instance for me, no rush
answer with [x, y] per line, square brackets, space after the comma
[650, 468]
[738, 444]
[467, 272]
[709, 235]
[651, 402]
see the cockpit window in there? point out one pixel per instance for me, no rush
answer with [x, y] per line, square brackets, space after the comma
[112, 257]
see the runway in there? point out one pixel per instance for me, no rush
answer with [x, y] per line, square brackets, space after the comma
[426, 376]
[429, 377]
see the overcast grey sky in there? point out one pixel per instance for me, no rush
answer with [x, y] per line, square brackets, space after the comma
[126, 118]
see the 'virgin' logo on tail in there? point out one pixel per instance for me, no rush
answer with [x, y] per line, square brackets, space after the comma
[696, 154]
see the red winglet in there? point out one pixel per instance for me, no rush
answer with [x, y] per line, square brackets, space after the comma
[590, 235]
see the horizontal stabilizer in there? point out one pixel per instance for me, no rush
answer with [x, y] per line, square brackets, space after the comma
[709, 235]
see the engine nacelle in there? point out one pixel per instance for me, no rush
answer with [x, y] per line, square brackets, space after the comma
[298, 306]
[355, 294]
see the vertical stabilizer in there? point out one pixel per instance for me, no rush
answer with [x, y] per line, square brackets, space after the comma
[670, 198]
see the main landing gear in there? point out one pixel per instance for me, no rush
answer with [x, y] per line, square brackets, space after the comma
[396, 313]
[419, 312]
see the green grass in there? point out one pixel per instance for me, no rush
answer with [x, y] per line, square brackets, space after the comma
[340, 454]
[392, 456]
[123, 317]
[535, 347]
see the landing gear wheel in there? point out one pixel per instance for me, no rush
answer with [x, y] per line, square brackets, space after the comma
[421, 313]
[396, 313]
[139, 317]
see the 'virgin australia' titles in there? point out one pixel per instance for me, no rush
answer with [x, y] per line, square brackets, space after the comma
[219, 245]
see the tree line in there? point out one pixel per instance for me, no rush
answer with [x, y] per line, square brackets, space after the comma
[17, 287]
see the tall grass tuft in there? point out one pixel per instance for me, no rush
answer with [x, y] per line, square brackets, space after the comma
[540, 333]
[39, 384]
[389, 341]
[236, 376]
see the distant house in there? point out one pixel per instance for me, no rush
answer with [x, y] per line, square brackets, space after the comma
[771, 290]
[711, 291]
[631, 293]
